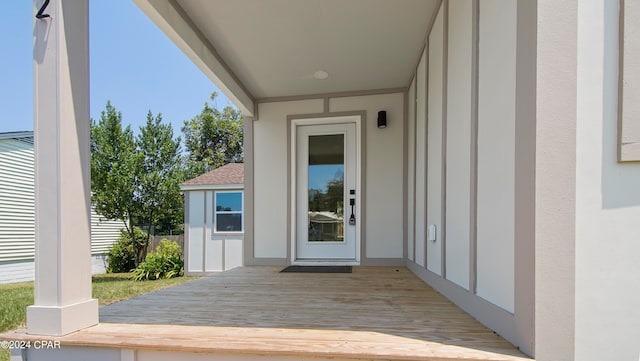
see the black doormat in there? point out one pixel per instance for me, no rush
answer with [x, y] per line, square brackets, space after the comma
[318, 269]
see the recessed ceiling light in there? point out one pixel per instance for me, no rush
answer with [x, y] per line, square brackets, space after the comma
[321, 74]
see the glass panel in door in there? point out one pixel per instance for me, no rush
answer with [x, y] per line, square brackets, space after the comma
[326, 188]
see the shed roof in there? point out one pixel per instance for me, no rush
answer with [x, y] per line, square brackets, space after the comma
[232, 173]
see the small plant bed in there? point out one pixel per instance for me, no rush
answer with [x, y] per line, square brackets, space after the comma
[165, 262]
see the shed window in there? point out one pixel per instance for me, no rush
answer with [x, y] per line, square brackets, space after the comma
[228, 212]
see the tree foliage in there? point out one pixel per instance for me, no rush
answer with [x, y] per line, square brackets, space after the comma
[135, 179]
[213, 138]
[160, 174]
[122, 255]
[115, 168]
[331, 199]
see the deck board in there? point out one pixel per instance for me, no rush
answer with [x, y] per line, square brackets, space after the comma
[372, 313]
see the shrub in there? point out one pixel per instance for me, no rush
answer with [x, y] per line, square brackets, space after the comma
[122, 255]
[165, 262]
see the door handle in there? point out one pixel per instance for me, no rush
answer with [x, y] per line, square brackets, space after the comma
[352, 218]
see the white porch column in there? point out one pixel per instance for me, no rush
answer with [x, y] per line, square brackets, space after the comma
[63, 302]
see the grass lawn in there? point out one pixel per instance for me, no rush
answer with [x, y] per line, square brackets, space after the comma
[107, 288]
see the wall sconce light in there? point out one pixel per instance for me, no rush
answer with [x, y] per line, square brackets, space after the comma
[382, 119]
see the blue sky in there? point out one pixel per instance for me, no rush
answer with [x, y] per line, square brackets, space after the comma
[321, 174]
[133, 64]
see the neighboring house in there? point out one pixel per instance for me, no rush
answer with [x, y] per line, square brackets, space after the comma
[491, 147]
[214, 220]
[17, 213]
[326, 226]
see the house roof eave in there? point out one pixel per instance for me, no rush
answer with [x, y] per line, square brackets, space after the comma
[210, 187]
[172, 20]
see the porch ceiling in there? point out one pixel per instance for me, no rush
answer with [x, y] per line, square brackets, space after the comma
[273, 48]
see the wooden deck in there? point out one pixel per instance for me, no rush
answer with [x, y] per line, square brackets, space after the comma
[374, 313]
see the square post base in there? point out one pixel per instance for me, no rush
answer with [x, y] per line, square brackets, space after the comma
[61, 320]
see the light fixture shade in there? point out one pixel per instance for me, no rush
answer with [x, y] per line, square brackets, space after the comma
[382, 119]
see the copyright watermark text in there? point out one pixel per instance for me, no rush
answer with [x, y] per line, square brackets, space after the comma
[22, 345]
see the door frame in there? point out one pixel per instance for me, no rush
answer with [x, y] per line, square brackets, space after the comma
[328, 120]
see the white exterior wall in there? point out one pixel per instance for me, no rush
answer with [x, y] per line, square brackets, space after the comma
[213, 247]
[271, 177]
[383, 178]
[195, 236]
[71, 353]
[458, 158]
[434, 143]
[421, 160]
[223, 250]
[104, 233]
[17, 216]
[555, 179]
[496, 152]
[17, 202]
[23, 271]
[411, 171]
[205, 250]
[382, 162]
[607, 247]
[471, 189]
[98, 264]
[16, 271]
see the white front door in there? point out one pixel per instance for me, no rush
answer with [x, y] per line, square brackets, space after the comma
[327, 197]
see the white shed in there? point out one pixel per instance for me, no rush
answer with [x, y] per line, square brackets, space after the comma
[214, 220]
[17, 213]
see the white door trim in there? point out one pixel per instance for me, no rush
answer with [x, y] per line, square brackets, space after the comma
[295, 122]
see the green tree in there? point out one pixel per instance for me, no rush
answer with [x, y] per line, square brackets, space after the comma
[115, 168]
[213, 138]
[160, 176]
[136, 180]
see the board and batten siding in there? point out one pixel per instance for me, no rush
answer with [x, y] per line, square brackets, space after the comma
[17, 215]
[207, 251]
[477, 88]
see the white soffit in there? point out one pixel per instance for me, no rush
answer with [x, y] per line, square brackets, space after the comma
[172, 20]
[274, 47]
